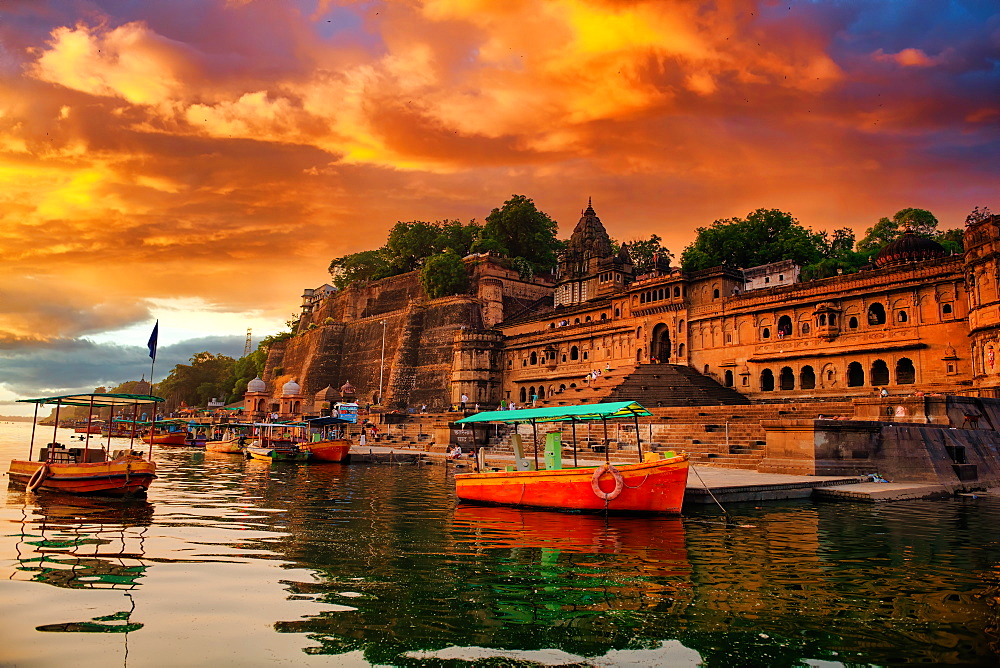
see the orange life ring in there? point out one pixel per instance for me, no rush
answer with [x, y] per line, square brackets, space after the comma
[38, 477]
[619, 482]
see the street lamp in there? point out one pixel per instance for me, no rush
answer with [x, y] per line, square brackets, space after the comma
[381, 369]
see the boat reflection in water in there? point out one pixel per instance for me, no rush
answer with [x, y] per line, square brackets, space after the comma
[518, 578]
[85, 543]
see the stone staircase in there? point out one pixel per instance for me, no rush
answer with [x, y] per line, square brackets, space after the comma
[728, 436]
[652, 385]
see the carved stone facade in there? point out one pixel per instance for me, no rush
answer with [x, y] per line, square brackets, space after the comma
[917, 320]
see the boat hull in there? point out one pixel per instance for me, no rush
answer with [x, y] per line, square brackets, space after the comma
[647, 487]
[125, 476]
[278, 455]
[231, 445]
[329, 451]
[174, 438]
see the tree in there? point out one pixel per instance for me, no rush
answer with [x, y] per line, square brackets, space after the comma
[764, 236]
[978, 215]
[444, 274]
[208, 376]
[886, 230]
[519, 229]
[408, 244]
[367, 265]
[644, 252]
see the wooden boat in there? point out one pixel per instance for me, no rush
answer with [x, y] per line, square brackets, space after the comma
[337, 450]
[655, 485]
[233, 440]
[88, 469]
[651, 486]
[177, 438]
[89, 427]
[278, 453]
[331, 445]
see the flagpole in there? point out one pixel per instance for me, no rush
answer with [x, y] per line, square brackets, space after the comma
[151, 344]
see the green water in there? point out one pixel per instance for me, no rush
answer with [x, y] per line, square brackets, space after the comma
[230, 562]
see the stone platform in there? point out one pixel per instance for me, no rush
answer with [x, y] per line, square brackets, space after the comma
[736, 486]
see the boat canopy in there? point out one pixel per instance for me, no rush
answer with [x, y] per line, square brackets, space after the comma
[616, 409]
[95, 400]
[327, 421]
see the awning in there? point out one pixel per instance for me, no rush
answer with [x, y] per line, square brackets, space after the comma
[95, 400]
[327, 421]
[617, 409]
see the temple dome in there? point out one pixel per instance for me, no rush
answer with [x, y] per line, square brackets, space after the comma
[256, 385]
[589, 238]
[290, 388]
[909, 248]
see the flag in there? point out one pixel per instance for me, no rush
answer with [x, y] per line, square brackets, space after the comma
[151, 344]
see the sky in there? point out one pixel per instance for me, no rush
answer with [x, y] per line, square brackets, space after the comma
[200, 162]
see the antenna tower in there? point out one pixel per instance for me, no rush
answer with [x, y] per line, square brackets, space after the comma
[246, 348]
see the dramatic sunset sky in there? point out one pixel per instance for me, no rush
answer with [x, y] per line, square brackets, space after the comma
[201, 161]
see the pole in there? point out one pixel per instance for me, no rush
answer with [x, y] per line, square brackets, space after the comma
[534, 429]
[34, 423]
[638, 441]
[607, 455]
[90, 422]
[58, 406]
[381, 368]
[573, 422]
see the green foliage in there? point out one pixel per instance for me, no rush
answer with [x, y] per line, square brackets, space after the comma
[644, 251]
[367, 265]
[206, 377]
[444, 274]
[886, 230]
[764, 236]
[953, 240]
[519, 229]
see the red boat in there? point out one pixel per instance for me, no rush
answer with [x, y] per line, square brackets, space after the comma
[652, 486]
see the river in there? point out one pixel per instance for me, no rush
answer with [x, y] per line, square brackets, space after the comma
[234, 562]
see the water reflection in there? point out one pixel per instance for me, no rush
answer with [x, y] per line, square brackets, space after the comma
[83, 543]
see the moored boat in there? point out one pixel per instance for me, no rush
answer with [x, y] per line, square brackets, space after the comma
[88, 469]
[650, 486]
[330, 445]
[177, 438]
[653, 485]
[289, 453]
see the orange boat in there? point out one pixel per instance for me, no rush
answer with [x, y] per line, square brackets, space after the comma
[168, 438]
[335, 450]
[650, 487]
[88, 469]
[655, 485]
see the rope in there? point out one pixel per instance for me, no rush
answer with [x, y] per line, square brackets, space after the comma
[637, 486]
[724, 511]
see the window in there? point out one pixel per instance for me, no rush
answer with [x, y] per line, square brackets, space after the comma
[855, 375]
[604, 316]
[946, 309]
[787, 379]
[618, 313]
[706, 372]
[876, 314]
[587, 319]
[767, 279]
[680, 349]
[784, 326]
[584, 354]
[533, 358]
[901, 316]
[805, 328]
[765, 333]
[729, 378]
[715, 293]
[880, 373]
[766, 380]
[833, 319]
[781, 277]
[852, 323]
[659, 293]
[677, 291]
[807, 378]
[576, 321]
[523, 395]
[822, 319]
[574, 353]
[905, 373]
[680, 326]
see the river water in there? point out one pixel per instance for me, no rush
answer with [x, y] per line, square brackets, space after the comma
[232, 562]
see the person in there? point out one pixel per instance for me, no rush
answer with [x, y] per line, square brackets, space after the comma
[242, 442]
[464, 399]
[476, 407]
[883, 392]
[373, 429]
[423, 409]
[607, 366]
[503, 404]
[456, 452]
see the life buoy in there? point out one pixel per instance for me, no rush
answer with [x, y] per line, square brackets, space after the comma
[38, 477]
[619, 482]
